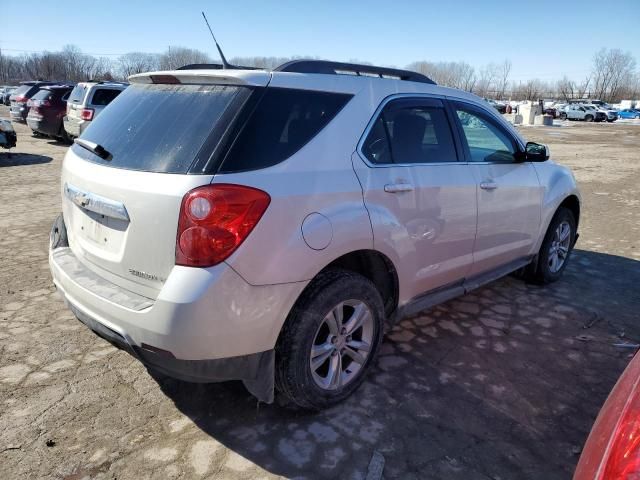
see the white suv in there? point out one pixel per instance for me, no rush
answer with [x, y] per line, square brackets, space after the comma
[86, 102]
[269, 225]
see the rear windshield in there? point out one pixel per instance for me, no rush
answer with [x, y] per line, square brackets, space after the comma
[104, 96]
[22, 90]
[77, 94]
[42, 95]
[160, 128]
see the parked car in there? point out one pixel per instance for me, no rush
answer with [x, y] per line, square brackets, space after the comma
[609, 115]
[629, 113]
[500, 107]
[224, 227]
[86, 102]
[612, 450]
[18, 109]
[5, 93]
[47, 108]
[581, 112]
[550, 111]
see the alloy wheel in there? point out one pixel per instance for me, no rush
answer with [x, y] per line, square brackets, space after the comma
[341, 345]
[559, 249]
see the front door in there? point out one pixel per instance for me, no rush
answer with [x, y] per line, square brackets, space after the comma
[509, 193]
[420, 197]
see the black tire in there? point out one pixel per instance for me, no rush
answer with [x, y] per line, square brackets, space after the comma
[540, 272]
[64, 136]
[293, 376]
[563, 116]
[588, 118]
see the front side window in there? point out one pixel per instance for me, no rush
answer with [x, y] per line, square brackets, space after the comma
[486, 140]
[408, 132]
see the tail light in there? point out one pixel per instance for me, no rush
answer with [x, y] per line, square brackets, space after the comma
[86, 114]
[623, 456]
[20, 99]
[215, 220]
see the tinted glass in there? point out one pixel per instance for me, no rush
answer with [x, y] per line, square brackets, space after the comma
[42, 95]
[282, 123]
[487, 141]
[21, 90]
[376, 147]
[77, 94]
[104, 96]
[416, 134]
[159, 128]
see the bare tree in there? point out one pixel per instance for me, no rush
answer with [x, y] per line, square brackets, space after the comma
[451, 74]
[137, 62]
[176, 57]
[504, 71]
[611, 69]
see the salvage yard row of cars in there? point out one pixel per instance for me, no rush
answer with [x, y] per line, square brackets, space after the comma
[57, 109]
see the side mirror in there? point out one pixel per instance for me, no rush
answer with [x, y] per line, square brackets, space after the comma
[536, 152]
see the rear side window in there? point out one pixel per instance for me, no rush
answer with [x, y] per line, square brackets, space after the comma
[160, 128]
[410, 132]
[282, 123]
[77, 94]
[104, 96]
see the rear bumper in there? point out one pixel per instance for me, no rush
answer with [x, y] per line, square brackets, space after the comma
[42, 125]
[18, 114]
[206, 325]
[74, 127]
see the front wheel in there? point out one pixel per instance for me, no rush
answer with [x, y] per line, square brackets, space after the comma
[556, 248]
[329, 340]
[588, 118]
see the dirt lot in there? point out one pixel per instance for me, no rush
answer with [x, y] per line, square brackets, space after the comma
[501, 384]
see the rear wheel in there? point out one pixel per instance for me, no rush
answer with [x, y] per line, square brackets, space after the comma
[588, 118]
[329, 341]
[556, 248]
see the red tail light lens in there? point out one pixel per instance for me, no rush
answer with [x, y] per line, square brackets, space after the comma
[623, 459]
[86, 114]
[20, 99]
[215, 220]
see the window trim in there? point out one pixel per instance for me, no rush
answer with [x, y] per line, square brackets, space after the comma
[519, 147]
[419, 98]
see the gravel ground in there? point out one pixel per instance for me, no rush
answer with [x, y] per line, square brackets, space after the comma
[501, 384]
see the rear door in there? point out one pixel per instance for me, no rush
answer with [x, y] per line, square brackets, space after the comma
[509, 193]
[421, 199]
[122, 212]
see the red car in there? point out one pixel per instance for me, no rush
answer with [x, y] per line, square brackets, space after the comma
[47, 109]
[612, 451]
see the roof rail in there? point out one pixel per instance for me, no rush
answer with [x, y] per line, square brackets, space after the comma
[338, 68]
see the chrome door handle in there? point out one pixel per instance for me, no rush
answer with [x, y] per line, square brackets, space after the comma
[398, 187]
[488, 185]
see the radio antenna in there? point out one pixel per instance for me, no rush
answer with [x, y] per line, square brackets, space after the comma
[225, 64]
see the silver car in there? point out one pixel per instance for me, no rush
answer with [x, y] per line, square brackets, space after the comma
[268, 226]
[86, 102]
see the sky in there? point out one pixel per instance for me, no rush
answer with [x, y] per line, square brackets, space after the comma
[543, 39]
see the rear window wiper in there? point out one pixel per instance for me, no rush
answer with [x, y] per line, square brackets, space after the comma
[94, 148]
